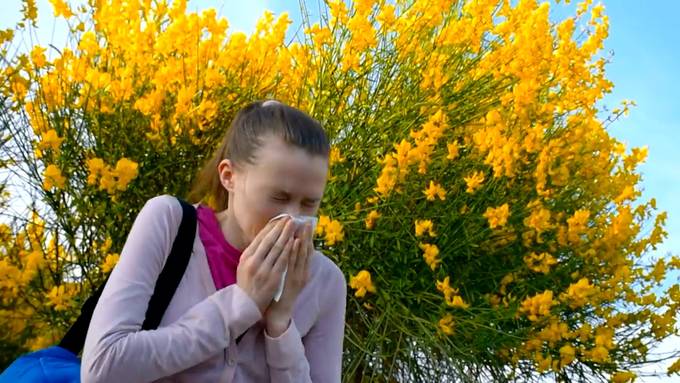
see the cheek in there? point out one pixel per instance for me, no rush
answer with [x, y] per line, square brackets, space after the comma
[252, 213]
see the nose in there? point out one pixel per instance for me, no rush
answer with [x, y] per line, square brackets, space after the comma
[292, 209]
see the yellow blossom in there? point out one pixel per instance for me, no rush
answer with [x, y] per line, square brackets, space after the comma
[61, 8]
[674, 368]
[446, 324]
[578, 294]
[598, 354]
[109, 262]
[537, 306]
[457, 301]
[497, 217]
[373, 215]
[430, 253]
[423, 226]
[362, 283]
[567, 354]
[539, 263]
[59, 298]
[474, 181]
[335, 157]
[38, 56]
[52, 177]
[452, 150]
[623, 377]
[125, 172]
[433, 191]
[331, 229]
[50, 140]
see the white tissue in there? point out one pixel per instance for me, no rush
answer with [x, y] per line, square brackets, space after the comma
[299, 221]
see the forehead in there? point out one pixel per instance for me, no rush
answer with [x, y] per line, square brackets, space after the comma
[278, 164]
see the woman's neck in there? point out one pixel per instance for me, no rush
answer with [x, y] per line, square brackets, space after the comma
[230, 229]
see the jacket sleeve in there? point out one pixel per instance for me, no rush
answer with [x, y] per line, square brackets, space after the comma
[316, 357]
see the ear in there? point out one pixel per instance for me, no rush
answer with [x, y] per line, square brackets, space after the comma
[226, 171]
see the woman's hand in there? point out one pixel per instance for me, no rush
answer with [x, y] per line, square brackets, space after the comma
[279, 313]
[264, 260]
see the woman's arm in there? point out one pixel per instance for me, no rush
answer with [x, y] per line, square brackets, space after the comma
[317, 357]
[117, 350]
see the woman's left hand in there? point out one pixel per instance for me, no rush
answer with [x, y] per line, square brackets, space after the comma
[278, 314]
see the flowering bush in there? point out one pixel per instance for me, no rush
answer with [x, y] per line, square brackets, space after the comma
[486, 220]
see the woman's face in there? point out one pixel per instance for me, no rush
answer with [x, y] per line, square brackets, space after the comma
[282, 179]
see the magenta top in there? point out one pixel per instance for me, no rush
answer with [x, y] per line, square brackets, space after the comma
[222, 257]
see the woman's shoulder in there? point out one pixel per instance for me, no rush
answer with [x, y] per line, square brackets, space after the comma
[326, 271]
[164, 205]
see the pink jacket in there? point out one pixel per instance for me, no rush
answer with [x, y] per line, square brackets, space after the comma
[196, 339]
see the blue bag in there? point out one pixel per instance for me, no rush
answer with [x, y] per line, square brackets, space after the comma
[60, 364]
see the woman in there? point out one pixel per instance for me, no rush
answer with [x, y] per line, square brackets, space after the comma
[222, 324]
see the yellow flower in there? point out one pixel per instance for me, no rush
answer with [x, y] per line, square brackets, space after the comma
[598, 354]
[430, 253]
[537, 306]
[446, 324]
[567, 354]
[109, 262]
[423, 226]
[497, 216]
[433, 191]
[61, 8]
[371, 218]
[445, 287]
[577, 225]
[539, 220]
[107, 181]
[58, 297]
[579, 293]
[50, 140]
[674, 368]
[452, 149]
[52, 177]
[623, 377]
[362, 283]
[334, 233]
[457, 301]
[539, 263]
[331, 228]
[95, 167]
[335, 157]
[474, 181]
[125, 172]
[38, 57]
[542, 363]
[324, 220]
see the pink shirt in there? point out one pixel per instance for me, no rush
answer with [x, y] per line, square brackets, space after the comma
[196, 339]
[223, 258]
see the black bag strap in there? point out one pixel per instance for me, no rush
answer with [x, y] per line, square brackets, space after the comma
[166, 284]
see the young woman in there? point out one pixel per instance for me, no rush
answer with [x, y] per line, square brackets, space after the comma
[222, 324]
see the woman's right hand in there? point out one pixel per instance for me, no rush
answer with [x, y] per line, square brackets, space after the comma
[262, 263]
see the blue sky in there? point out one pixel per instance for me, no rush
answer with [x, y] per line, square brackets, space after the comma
[644, 37]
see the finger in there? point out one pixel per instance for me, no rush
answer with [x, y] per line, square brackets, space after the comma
[282, 261]
[308, 257]
[279, 247]
[269, 240]
[252, 247]
[303, 247]
[294, 255]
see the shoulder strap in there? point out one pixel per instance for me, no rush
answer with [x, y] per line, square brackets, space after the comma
[166, 284]
[172, 273]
